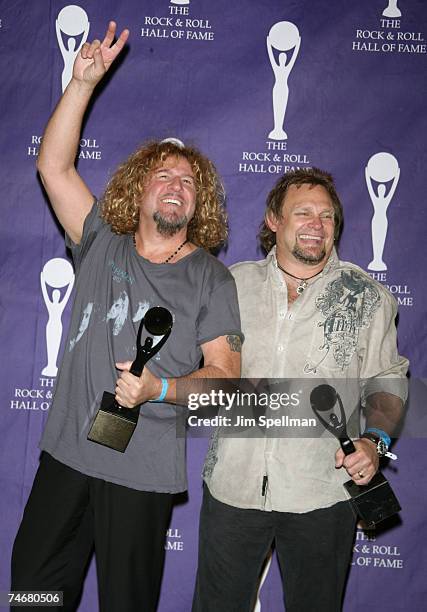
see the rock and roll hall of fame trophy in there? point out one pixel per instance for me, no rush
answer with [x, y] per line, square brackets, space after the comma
[114, 425]
[375, 501]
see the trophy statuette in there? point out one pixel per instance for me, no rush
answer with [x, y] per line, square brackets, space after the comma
[114, 425]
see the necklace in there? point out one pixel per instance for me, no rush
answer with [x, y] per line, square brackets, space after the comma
[302, 282]
[170, 256]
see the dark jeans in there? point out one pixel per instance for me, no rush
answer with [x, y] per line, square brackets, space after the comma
[313, 549]
[67, 515]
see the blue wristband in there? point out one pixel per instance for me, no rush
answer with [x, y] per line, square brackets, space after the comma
[163, 392]
[382, 434]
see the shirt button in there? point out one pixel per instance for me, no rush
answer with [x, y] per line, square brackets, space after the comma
[280, 348]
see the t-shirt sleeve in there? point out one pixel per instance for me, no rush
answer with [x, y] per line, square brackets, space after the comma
[92, 224]
[220, 315]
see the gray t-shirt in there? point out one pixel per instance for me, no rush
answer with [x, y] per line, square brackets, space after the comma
[114, 288]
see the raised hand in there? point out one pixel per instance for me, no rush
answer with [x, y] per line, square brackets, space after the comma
[95, 58]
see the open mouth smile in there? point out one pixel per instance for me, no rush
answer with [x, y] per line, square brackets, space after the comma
[310, 237]
[173, 201]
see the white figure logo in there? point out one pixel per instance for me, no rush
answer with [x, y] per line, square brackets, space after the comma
[180, 1]
[57, 273]
[382, 168]
[72, 21]
[392, 9]
[283, 36]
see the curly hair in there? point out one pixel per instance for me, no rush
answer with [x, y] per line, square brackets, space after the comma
[121, 200]
[276, 197]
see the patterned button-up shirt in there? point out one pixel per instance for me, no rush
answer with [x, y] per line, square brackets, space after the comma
[341, 330]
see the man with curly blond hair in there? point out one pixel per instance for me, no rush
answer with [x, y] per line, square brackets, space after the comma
[144, 244]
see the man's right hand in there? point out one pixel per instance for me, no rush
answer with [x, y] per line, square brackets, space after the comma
[95, 58]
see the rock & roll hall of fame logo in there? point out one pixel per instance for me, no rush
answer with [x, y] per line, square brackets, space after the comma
[382, 174]
[72, 29]
[56, 280]
[283, 44]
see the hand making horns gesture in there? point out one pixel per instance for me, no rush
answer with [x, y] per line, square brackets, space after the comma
[95, 58]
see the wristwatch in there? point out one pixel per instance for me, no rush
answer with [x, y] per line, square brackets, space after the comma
[382, 447]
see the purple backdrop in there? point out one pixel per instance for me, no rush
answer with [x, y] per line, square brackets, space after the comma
[354, 90]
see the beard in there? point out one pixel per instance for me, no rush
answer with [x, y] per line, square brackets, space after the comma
[306, 257]
[167, 227]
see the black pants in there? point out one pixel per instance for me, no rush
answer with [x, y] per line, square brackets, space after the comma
[67, 515]
[313, 549]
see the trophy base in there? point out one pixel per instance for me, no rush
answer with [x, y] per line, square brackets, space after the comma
[373, 502]
[113, 425]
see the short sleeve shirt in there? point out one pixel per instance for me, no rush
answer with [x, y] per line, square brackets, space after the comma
[115, 286]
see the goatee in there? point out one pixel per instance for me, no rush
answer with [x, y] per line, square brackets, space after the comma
[169, 228]
[308, 258]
